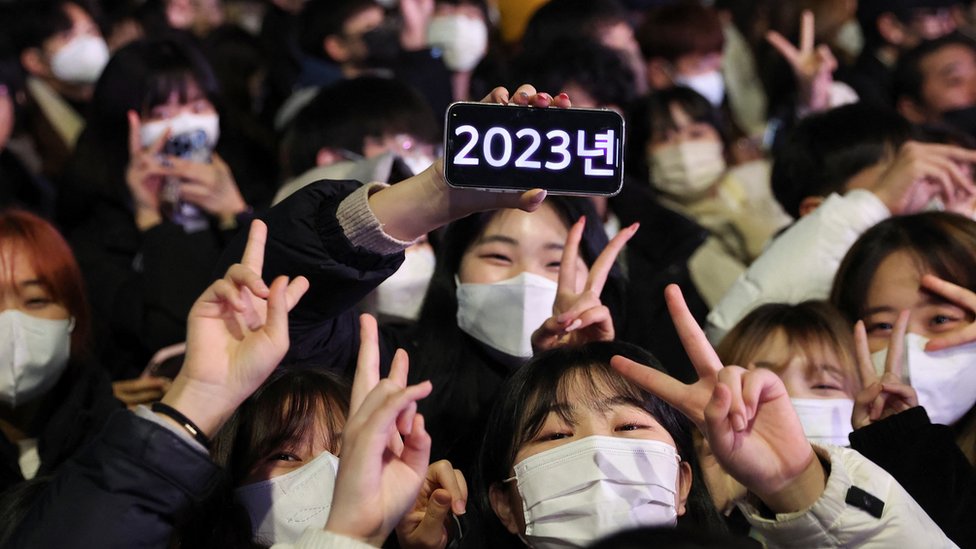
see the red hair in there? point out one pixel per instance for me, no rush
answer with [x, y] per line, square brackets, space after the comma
[55, 265]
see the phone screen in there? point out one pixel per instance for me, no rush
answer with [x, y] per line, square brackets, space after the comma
[511, 147]
[189, 146]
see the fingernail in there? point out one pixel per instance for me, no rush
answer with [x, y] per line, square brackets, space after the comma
[738, 423]
[524, 95]
[576, 324]
[564, 95]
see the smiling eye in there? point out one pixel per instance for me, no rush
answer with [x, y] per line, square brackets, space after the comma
[283, 456]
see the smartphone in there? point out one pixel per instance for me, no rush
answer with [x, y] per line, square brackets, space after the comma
[515, 148]
[189, 146]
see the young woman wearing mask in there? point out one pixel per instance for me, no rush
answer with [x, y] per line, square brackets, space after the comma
[592, 422]
[499, 277]
[155, 463]
[53, 398]
[810, 347]
[925, 264]
[686, 154]
[459, 28]
[150, 203]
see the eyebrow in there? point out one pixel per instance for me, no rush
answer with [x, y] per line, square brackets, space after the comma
[502, 239]
[32, 282]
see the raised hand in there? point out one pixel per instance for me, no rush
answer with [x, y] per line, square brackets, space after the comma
[746, 416]
[426, 526]
[813, 66]
[237, 333]
[416, 16]
[411, 209]
[375, 488]
[921, 172]
[963, 297]
[578, 315]
[145, 174]
[885, 395]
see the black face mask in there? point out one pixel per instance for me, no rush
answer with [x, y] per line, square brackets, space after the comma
[963, 120]
[382, 46]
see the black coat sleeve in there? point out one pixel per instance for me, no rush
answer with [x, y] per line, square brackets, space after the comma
[124, 490]
[928, 463]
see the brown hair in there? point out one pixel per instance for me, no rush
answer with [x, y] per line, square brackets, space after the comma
[940, 242]
[55, 265]
[681, 29]
[806, 325]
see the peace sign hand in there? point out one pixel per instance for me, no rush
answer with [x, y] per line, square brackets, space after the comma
[237, 333]
[963, 298]
[812, 66]
[145, 174]
[746, 416]
[368, 371]
[886, 395]
[579, 316]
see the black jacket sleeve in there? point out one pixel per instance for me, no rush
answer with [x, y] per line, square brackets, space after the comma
[124, 490]
[928, 463]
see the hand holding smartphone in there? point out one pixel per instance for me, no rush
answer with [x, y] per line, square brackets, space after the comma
[517, 148]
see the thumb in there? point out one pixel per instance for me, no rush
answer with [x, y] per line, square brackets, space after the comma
[438, 507]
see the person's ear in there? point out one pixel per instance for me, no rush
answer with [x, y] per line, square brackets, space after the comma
[327, 157]
[335, 47]
[502, 506]
[33, 62]
[684, 487]
[810, 203]
[659, 74]
[911, 110]
[891, 29]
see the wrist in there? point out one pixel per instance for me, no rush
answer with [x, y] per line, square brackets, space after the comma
[346, 528]
[800, 492]
[414, 207]
[147, 218]
[204, 406]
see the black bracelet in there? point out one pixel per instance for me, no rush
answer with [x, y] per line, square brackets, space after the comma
[178, 417]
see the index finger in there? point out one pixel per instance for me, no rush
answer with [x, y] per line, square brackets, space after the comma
[659, 384]
[699, 350]
[253, 257]
[567, 264]
[865, 367]
[896, 346]
[601, 267]
[806, 33]
[135, 133]
[784, 47]
[367, 363]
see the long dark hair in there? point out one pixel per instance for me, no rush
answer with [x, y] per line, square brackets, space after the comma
[528, 396]
[139, 76]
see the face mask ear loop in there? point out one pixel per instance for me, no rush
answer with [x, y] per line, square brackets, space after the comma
[71, 324]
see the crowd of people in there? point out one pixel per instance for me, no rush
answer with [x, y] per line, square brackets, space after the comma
[241, 306]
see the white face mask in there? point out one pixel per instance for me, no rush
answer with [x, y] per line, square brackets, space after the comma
[283, 507]
[825, 420]
[185, 123]
[402, 294]
[33, 354]
[944, 380]
[686, 170]
[463, 39]
[503, 315]
[81, 60]
[710, 85]
[584, 490]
